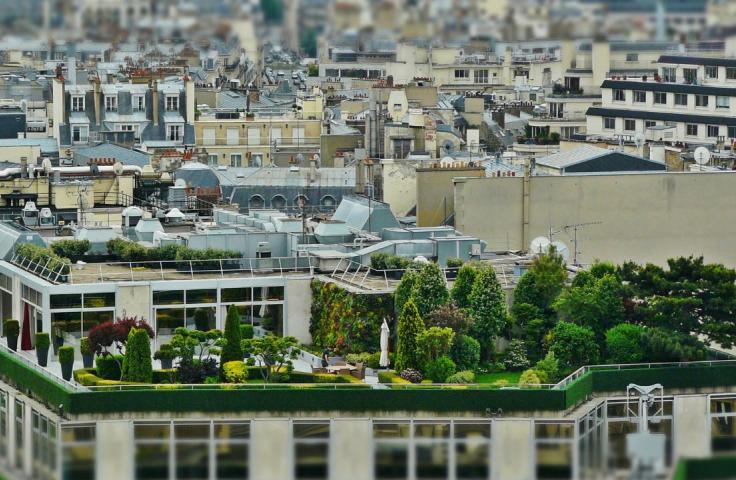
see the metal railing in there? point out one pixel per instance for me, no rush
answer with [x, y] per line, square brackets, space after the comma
[53, 269]
[229, 386]
[577, 374]
[37, 368]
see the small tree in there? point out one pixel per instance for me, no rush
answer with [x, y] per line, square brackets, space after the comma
[231, 348]
[548, 368]
[449, 316]
[542, 283]
[434, 343]
[529, 377]
[463, 285]
[516, 358]
[488, 310]
[440, 368]
[137, 365]
[409, 326]
[404, 289]
[430, 290]
[274, 353]
[573, 346]
[465, 352]
[625, 344]
[109, 336]
[597, 304]
[186, 344]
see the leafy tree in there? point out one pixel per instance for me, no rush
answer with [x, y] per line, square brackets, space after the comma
[404, 289]
[187, 343]
[598, 304]
[542, 283]
[109, 337]
[440, 368]
[449, 316]
[548, 368]
[664, 345]
[488, 310]
[516, 358]
[624, 343]
[529, 377]
[410, 325]
[275, 353]
[600, 269]
[465, 352]
[433, 343]
[137, 365]
[430, 290]
[573, 346]
[464, 285]
[232, 349]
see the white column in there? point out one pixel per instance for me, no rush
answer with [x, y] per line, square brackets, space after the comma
[114, 455]
[27, 439]
[351, 455]
[271, 449]
[513, 450]
[690, 427]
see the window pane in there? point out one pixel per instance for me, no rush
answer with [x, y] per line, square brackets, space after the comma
[92, 319]
[235, 431]
[723, 434]
[236, 294]
[78, 463]
[554, 461]
[431, 461]
[311, 460]
[472, 460]
[722, 405]
[202, 296]
[197, 431]
[192, 461]
[311, 430]
[168, 319]
[232, 461]
[392, 461]
[202, 319]
[152, 432]
[431, 430]
[170, 297]
[99, 300]
[72, 300]
[152, 461]
[472, 430]
[391, 430]
[69, 322]
[554, 430]
[78, 434]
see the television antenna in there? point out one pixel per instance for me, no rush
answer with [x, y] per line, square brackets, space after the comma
[575, 227]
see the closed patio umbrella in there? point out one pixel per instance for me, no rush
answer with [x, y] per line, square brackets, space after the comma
[383, 361]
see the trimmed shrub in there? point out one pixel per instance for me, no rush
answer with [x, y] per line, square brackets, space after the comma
[466, 376]
[66, 355]
[516, 358]
[378, 261]
[434, 343]
[548, 368]
[165, 352]
[454, 262]
[164, 376]
[137, 365]
[463, 285]
[235, 372]
[573, 346]
[246, 331]
[43, 341]
[232, 350]
[449, 316]
[411, 375]
[85, 347]
[409, 327]
[355, 358]
[529, 377]
[201, 320]
[404, 290]
[108, 366]
[72, 249]
[391, 377]
[465, 352]
[11, 328]
[625, 343]
[439, 369]
[488, 310]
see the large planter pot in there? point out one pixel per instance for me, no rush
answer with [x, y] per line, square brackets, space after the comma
[42, 354]
[166, 363]
[88, 359]
[13, 342]
[66, 371]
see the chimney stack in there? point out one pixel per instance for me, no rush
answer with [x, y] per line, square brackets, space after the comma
[96, 85]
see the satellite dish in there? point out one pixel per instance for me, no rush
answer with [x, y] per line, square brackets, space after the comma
[702, 156]
[562, 249]
[117, 168]
[539, 245]
[180, 182]
[639, 139]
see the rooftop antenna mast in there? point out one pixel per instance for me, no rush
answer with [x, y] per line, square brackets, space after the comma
[575, 227]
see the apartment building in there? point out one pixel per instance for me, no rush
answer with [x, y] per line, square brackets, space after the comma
[690, 101]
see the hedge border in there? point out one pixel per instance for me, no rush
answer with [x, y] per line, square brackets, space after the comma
[716, 468]
[15, 372]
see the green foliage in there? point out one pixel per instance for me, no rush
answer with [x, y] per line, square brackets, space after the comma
[548, 368]
[412, 375]
[389, 376]
[246, 331]
[273, 10]
[66, 355]
[128, 251]
[516, 357]
[541, 284]
[465, 376]
[433, 343]
[663, 345]
[378, 260]
[597, 304]
[11, 328]
[529, 377]
[454, 262]
[274, 353]
[440, 368]
[625, 343]
[313, 70]
[346, 322]
[487, 310]
[109, 366]
[404, 289]
[465, 352]
[43, 341]
[449, 316]
[72, 249]
[364, 358]
[44, 259]
[232, 349]
[201, 320]
[463, 285]
[235, 372]
[165, 352]
[164, 376]
[573, 346]
[410, 325]
[137, 365]
[85, 347]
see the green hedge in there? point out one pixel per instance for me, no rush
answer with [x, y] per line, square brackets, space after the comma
[716, 468]
[88, 377]
[23, 377]
[389, 377]
[692, 376]
[579, 390]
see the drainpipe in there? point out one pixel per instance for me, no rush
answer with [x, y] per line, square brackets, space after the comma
[96, 84]
[154, 89]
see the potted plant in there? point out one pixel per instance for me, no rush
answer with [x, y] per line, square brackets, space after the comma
[11, 330]
[453, 265]
[166, 355]
[88, 355]
[66, 359]
[43, 342]
[58, 335]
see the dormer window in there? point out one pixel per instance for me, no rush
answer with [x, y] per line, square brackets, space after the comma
[172, 103]
[111, 103]
[77, 103]
[139, 103]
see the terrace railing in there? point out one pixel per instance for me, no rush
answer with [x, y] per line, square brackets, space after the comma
[48, 268]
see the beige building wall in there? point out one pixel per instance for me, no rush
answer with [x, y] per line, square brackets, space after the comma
[643, 217]
[16, 152]
[296, 318]
[114, 450]
[133, 300]
[691, 428]
[435, 199]
[274, 440]
[349, 456]
[513, 439]
[399, 185]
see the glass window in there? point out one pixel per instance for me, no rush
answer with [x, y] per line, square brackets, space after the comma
[168, 320]
[640, 96]
[701, 100]
[609, 123]
[92, 319]
[619, 95]
[231, 450]
[711, 72]
[713, 131]
[192, 451]
[68, 322]
[554, 460]
[731, 73]
[660, 98]
[629, 125]
[681, 99]
[73, 300]
[311, 444]
[78, 453]
[553, 430]
[669, 74]
[202, 318]
[723, 102]
[236, 294]
[723, 434]
[202, 296]
[472, 450]
[99, 300]
[391, 461]
[692, 130]
[650, 124]
[732, 132]
[168, 297]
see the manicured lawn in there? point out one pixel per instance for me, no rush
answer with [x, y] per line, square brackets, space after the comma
[511, 377]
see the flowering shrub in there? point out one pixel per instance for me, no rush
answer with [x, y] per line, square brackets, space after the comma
[411, 375]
